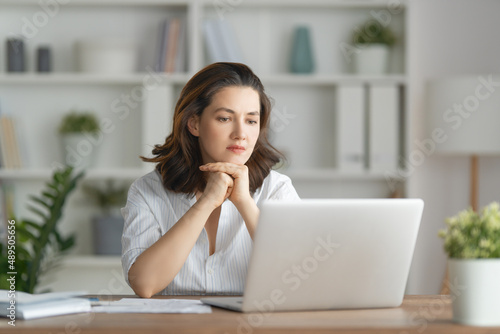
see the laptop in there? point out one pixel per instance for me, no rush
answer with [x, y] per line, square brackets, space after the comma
[322, 254]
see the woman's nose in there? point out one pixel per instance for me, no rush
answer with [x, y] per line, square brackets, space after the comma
[239, 130]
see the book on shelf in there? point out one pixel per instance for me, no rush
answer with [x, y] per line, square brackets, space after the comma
[22, 305]
[171, 49]
[3, 215]
[181, 53]
[351, 125]
[6, 207]
[9, 144]
[383, 130]
[220, 41]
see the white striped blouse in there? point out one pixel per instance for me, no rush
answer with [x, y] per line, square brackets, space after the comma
[151, 210]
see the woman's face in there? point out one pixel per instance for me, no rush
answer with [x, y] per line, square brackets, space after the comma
[229, 127]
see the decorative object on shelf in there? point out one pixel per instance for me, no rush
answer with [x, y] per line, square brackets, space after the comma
[472, 242]
[39, 245]
[77, 129]
[221, 43]
[106, 56]
[15, 55]
[373, 41]
[108, 226]
[43, 59]
[302, 61]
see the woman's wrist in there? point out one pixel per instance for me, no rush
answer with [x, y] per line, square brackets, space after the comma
[206, 202]
[249, 211]
[243, 201]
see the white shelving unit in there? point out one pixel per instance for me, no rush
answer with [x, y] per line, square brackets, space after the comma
[264, 29]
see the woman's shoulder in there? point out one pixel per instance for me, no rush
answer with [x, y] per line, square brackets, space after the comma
[147, 186]
[276, 185]
[150, 186]
[275, 178]
[151, 179]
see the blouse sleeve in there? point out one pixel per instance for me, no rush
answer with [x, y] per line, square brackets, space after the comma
[141, 228]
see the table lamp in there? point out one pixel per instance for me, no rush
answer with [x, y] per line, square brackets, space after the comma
[467, 109]
[464, 116]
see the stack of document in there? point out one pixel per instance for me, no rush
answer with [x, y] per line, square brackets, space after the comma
[22, 305]
[143, 305]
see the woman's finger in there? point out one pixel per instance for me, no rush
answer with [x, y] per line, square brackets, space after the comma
[224, 167]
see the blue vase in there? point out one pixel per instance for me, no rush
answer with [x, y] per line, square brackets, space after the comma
[302, 58]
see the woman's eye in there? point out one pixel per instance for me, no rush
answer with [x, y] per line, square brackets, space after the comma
[223, 119]
[252, 122]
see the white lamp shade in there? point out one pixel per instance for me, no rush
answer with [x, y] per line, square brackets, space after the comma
[464, 114]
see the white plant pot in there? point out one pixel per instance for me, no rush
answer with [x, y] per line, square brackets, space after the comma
[371, 59]
[106, 56]
[475, 291]
[78, 151]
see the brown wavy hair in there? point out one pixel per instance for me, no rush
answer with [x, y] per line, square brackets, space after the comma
[179, 157]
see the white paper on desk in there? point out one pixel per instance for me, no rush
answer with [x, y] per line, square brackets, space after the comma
[144, 305]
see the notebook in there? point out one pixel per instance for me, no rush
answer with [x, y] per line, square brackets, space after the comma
[319, 254]
[22, 305]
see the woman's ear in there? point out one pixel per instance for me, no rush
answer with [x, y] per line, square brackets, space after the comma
[193, 125]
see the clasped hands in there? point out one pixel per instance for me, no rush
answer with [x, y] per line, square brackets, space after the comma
[226, 180]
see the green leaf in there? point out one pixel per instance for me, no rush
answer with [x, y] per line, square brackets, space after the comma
[37, 212]
[32, 224]
[67, 243]
[40, 201]
[22, 253]
[25, 234]
[53, 187]
[48, 194]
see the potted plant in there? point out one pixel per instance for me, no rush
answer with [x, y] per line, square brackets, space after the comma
[34, 247]
[107, 227]
[373, 41]
[77, 130]
[472, 242]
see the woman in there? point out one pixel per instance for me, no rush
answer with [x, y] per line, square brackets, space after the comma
[189, 224]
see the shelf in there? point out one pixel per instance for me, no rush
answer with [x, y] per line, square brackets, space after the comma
[68, 78]
[181, 79]
[331, 80]
[314, 3]
[260, 3]
[305, 113]
[32, 174]
[332, 175]
[104, 2]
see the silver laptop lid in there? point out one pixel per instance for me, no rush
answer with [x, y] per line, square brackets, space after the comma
[331, 253]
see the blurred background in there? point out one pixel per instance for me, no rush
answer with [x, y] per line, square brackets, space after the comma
[350, 81]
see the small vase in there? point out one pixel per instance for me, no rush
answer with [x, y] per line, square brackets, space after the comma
[43, 59]
[475, 291]
[15, 55]
[302, 57]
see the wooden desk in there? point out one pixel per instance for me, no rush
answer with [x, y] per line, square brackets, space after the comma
[418, 314]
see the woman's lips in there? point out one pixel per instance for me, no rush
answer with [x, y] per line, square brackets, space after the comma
[236, 149]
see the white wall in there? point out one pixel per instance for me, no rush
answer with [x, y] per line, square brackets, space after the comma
[447, 38]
